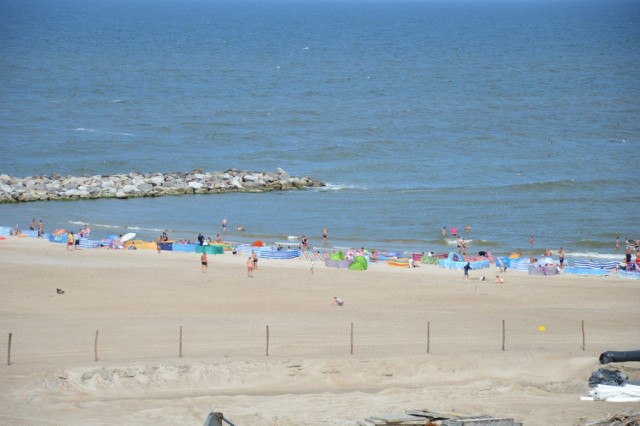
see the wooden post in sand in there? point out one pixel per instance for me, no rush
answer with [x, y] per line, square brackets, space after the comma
[428, 335]
[95, 347]
[503, 335]
[267, 352]
[180, 345]
[351, 338]
[9, 350]
[583, 345]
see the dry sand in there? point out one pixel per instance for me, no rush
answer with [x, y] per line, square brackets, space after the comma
[139, 300]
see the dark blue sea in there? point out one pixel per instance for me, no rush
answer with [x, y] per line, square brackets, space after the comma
[518, 117]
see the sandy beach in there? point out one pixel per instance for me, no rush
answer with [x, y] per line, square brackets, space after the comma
[423, 338]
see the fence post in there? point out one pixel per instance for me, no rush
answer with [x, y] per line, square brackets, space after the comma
[95, 347]
[9, 350]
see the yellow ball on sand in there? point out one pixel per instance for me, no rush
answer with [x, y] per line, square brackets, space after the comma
[542, 328]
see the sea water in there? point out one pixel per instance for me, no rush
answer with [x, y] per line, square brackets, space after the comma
[517, 117]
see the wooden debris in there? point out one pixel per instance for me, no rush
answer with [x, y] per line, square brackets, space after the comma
[427, 418]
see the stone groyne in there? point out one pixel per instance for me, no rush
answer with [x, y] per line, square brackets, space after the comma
[130, 185]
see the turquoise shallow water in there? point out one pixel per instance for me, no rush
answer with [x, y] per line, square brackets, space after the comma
[517, 117]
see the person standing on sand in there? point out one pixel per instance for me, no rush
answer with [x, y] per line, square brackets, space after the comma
[249, 267]
[254, 259]
[466, 270]
[561, 257]
[70, 241]
[204, 262]
[324, 236]
[40, 228]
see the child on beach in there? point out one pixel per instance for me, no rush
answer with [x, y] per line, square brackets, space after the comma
[204, 262]
[466, 270]
[499, 279]
[337, 301]
[249, 267]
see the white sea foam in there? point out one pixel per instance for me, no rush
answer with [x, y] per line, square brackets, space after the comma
[595, 255]
[338, 187]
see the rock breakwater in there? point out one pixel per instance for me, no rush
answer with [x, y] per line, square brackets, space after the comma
[130, 185]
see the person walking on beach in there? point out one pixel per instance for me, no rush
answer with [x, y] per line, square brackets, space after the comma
[466, 270]
[204, 262]
[249, 267]
[70, 241]
[561, 257]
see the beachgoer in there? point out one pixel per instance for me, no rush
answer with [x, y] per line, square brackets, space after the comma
[617, 242]
[76, 240]
[132, 246]
[532, 241]
[312, 265]
[338, 301]
[158, 242]
[224, 224]
[32, 225]
[305, 242]
[204, 262]
[218, 239]
[444, 231]
[454, 231]
[501, 265]
[466, 270]
[70, 241]
[467, 228]
[201, 239]
[499, 279]
[254, 258]
[324, 236]
[86, 231]
[240, 228]
[561, 257]
[40, 228]
[249, 267]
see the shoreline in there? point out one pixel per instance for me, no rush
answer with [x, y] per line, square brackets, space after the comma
[140, 301]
